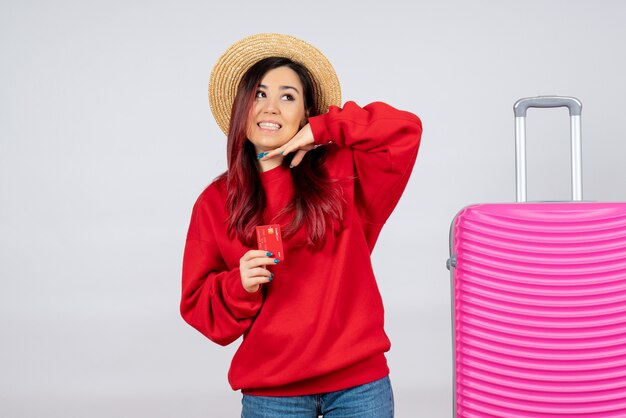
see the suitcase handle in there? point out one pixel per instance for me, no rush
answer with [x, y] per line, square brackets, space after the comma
[575, 107]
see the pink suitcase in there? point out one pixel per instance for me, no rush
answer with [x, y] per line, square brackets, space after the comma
[539, 299]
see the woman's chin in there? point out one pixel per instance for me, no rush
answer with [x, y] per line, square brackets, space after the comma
[268, 144]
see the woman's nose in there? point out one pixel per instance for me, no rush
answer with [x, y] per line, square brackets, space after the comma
[270, 106]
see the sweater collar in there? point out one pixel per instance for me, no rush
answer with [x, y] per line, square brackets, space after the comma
[273, 174]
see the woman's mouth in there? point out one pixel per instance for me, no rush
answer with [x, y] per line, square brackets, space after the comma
[269, 125]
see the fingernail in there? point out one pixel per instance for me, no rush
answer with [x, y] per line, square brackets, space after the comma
[290, 165]
[276, 261]
[270, 279]
[269, 254]
[271, 276]
[282, 152]
[261, 155]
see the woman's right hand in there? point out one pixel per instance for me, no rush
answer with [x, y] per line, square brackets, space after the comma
[253, 271]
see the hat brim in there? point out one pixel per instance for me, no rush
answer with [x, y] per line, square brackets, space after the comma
[237, 59]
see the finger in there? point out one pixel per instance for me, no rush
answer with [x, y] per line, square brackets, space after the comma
[252, 254]
[296, 145]
[265, 279]
[252, 286]
[287, 148]
[273, 153]
[298, 157]
[261, 261]
[259, 272]
[254, 281]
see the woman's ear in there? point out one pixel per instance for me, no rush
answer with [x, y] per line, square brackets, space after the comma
[306, 117]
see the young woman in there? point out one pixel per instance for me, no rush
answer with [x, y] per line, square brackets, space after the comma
[312, 323]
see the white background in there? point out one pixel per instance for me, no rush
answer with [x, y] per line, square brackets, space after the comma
[106, 139]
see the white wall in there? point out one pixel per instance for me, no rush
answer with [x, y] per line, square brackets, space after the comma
[106, 139]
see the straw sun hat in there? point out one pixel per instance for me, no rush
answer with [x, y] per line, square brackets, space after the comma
[237, 59]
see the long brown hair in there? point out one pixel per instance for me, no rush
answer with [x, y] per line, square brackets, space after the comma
[317, 201]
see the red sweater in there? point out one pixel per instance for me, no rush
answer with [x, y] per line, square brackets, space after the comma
[318, 326]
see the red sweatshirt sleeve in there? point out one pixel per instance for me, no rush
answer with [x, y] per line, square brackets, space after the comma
[384, 141]
[213, 299]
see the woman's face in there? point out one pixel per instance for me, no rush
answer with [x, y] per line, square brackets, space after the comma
[277, 112]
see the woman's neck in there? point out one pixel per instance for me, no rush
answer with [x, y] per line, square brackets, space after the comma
[269, 164]
[266, 165]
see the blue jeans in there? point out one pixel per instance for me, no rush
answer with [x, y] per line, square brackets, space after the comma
[372, 400]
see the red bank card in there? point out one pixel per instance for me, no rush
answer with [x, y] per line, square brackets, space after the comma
[269, 239]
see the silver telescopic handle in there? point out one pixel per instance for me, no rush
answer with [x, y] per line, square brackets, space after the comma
[575, 107]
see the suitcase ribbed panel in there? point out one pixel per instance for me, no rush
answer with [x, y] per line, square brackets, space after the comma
[540, 310]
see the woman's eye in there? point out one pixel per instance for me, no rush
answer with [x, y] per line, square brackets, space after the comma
[260, 94]
[288, 97]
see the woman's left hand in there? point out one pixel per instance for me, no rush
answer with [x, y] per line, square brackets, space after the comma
[302, 142]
